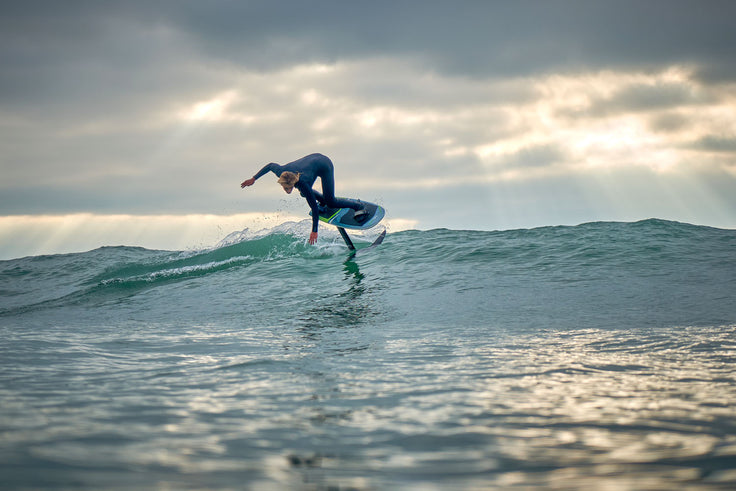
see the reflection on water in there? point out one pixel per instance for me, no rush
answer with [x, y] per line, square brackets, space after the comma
[379, 408]
[352, 270]
[566, 410]
[343, 304]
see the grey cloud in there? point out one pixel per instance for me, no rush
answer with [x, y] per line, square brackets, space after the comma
[107, 66]
[668, 122]
[535, 156]
[83, 57]
[716, 72]
[472, 37]
[634, 194]
[643, 97]
[648, 97]
[716, 144]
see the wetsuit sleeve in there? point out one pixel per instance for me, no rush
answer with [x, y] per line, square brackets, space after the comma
[308, 193]
[268, 168]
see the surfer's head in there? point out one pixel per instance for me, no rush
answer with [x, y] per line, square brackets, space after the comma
[288, 180]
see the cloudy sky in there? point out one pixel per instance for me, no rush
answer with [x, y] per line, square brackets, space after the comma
[134, 122]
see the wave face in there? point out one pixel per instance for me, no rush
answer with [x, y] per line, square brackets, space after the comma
[594, 355]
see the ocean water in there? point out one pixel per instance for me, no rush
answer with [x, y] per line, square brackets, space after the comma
[599, 356]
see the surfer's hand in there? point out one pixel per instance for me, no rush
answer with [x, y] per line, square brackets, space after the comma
[313, 238]
[248, 182]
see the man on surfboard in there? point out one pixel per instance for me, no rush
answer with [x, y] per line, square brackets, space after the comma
[301, 174]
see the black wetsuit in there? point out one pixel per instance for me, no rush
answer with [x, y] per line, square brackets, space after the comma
[309, 169]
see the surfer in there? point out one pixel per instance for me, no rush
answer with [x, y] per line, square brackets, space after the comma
[301, 174]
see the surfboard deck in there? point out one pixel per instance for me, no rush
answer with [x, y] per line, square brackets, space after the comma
[344, 217]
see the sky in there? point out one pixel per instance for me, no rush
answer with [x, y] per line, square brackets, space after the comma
[134, 122]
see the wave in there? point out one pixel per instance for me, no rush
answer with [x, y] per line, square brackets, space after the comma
[54, 280]
[186, 264]
[557, 253]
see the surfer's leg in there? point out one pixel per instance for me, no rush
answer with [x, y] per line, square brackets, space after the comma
[327, 176]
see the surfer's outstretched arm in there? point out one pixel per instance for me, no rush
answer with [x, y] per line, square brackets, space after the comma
[272, 167]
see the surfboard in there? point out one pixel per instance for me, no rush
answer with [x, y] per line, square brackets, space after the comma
[344, 217]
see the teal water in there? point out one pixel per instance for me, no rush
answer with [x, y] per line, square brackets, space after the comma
[599, 355]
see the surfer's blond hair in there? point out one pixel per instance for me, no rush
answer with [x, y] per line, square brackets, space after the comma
[288, 178]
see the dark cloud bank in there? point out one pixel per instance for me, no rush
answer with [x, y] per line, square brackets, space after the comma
[96, 68]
